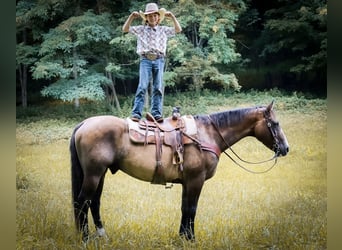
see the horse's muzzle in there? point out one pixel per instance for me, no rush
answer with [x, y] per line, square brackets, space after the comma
[281, 150]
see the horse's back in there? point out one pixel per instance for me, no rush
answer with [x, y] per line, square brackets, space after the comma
[103, 121]
[101, 128]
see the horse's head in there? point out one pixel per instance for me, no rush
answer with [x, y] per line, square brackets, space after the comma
[269, 132]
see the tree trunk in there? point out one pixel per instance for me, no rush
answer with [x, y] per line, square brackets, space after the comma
[24, 87]
[116, 100]
[117, 104]
[23, 84]
[101, 6]
[23, 77]
[74, 70]
[78, 12]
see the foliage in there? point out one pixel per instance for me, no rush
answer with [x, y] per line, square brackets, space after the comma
[204, 45]
[290, 49]
[87, 87]
[64, 51]
[301, 30]
[26, 54]
[123, 62]
[223, 45]
[65, 58]
[170, 78]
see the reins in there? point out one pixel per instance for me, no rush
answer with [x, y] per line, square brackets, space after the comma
[252, 171]
[275, 157]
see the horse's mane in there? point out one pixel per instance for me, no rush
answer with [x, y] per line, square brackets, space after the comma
[226, 118]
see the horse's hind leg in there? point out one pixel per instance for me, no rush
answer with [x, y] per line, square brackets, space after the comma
[81, 207]
[84, 201]
[95, 208]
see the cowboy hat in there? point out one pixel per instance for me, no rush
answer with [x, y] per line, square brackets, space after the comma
[153, 8]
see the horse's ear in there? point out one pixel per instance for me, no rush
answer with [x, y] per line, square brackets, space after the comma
[270, 106]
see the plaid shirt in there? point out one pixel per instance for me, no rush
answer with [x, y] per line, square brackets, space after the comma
[152, 39]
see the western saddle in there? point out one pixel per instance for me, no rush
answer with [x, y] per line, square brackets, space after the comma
[175, 132]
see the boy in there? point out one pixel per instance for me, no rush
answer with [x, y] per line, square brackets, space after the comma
[151, 46]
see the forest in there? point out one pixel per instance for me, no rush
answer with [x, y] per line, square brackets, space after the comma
[76, 50]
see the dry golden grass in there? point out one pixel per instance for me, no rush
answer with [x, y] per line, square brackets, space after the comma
[285, 208]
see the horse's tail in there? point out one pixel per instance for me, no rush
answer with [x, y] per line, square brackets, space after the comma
[76, 170]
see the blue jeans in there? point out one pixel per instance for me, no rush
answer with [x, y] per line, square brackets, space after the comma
[148, 69]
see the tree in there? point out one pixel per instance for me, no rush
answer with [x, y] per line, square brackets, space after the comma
[290, 48]
[79, 51]
[26, 55]
[300, 30]
[30, 19]
[66, 52]
[197, 55]
[77, 48]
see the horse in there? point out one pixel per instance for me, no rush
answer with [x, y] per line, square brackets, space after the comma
[100, 143]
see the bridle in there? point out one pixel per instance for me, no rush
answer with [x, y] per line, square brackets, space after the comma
[270, 125]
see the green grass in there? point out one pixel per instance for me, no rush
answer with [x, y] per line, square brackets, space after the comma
[285, 208]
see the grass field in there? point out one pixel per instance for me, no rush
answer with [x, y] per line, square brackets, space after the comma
[285, 208]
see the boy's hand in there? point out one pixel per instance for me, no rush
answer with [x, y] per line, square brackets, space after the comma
[169, 14]
[135, 14]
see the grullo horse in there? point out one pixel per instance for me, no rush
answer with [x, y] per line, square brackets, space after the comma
[103, 142]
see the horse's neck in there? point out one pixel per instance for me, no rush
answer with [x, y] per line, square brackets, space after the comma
[235, 125]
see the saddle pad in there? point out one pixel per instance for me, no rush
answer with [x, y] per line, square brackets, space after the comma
[190, 125]
[135, 126]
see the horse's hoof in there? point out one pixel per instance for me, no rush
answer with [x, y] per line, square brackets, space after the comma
[188, 236]
[101, 232]
[85, 239]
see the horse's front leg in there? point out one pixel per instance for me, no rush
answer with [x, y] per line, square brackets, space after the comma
[190, 196]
